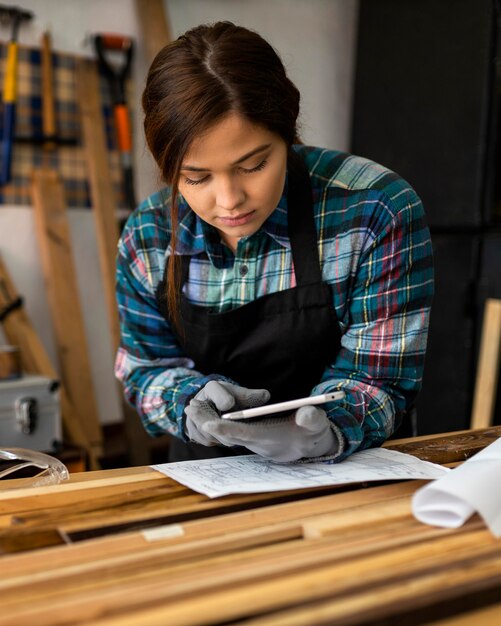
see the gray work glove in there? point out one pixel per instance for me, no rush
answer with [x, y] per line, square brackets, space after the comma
[215, 398]
[306, 434]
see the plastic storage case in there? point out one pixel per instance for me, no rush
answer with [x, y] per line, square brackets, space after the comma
[30, 413]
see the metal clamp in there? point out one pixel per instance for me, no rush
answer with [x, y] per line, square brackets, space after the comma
[27, 415]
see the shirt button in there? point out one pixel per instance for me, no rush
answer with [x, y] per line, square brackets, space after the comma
[243, 270]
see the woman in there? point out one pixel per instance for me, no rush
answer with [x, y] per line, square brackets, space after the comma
[265, 270]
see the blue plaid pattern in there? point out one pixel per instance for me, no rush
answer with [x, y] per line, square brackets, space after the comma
[375, 253]
[68, 160]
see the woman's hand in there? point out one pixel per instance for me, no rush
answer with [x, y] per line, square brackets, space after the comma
[307, 433]
[216, 398]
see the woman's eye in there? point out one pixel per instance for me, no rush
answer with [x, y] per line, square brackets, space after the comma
[197, 181]
[244, 170]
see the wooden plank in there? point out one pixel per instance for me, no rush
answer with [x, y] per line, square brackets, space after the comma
[245, 556]
[372, 514]
[450, 448]
[356, 540]
[206, 592]
[356, 556]
[30, 498]
[189, 507]
[125, 474]
[487, 378]
[127, 566]
[154, 25]
[390, 443]
[134, 498]
[174, 505]
[101, 184]
[205, 527]
[360, 588]
[61, 284]
[482, 617]
[107, 506]
[19, 331]
[461, 445]
[107, 231]
[407, 596]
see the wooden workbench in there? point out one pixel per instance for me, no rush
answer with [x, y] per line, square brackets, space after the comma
[132, 547]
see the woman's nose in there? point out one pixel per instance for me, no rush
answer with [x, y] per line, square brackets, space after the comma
[229, 194]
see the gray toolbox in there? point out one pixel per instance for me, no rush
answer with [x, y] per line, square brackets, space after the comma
[30, 413]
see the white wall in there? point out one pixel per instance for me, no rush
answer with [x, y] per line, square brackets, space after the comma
[316, 40]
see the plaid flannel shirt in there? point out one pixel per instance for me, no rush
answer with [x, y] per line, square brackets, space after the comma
[375, 254]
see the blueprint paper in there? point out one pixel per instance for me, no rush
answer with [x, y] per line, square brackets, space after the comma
[473, 486]
[253, 474]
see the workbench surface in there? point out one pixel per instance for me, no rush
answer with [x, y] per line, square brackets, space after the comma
[132, 547]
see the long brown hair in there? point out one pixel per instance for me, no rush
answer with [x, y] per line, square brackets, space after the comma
[193, 83]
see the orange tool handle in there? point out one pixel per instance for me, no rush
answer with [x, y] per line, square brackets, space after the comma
[122, 124]
[112, 41]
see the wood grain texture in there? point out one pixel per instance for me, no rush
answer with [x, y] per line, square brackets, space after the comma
[102, 193]
[155, 26]
[104, 210]
[489, 616]
[241, 585]
[449, 448]
[54, 240]
[487, 379]
[329, 556]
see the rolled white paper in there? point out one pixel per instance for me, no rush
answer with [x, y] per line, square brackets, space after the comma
[473, 486]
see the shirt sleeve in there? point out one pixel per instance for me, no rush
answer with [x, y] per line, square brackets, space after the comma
[384, 335]
[158, 379]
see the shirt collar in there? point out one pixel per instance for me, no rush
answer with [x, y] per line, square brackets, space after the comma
[276, 226]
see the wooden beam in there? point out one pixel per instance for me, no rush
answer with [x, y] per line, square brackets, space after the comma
[154, 26]
[449, 448]
[107, 231]
[421, 595]
[101, 186]
[64, 300]
[351, 555]
[247, 582]
[487, 379]
[481, 617]
[217, 521]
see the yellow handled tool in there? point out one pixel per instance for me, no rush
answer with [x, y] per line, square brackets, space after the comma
[15, 15]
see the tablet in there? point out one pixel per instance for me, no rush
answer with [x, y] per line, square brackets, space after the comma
[279, 407]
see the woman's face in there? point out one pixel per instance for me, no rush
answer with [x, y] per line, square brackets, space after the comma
[233, 176]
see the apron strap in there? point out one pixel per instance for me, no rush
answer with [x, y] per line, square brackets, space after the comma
[301, 223]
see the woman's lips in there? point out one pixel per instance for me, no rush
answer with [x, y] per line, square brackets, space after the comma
[237, 220]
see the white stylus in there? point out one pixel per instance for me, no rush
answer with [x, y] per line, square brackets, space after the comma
[268, 409]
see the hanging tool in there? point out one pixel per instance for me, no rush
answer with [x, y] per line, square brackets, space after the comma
[117, 76]
[15, 16]
[49, 138]
[48, 101]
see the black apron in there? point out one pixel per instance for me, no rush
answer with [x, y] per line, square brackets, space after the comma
[282, 341]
